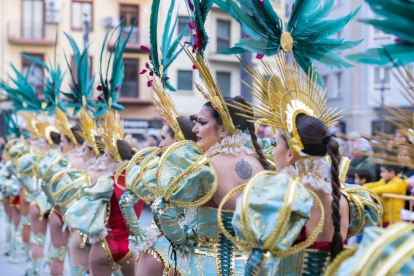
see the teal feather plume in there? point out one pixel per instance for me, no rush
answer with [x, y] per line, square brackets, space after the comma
[81, 86]
[23, 95]
[53, 82]
[197, 12]
[307, 25]
[395, 17]
[111, 88]
[13, 129]
[169, 48]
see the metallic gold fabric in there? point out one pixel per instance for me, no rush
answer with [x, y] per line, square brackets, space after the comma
[88, 214]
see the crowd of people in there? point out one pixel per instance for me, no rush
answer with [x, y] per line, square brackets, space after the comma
[223, 201]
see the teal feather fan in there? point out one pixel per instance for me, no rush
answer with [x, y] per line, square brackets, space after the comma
[111, 88]
[198, 11]
[53, 83]
[22, 94]
[169, 48]
[13, 128]
[395, 17]
[81, 86]
[306, 34]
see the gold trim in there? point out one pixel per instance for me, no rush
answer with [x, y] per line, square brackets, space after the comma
[48, 133]
[195, 166]
[108, 253]
[19, 160]
[391, 265]
[118, 173]
[339, 259]
[370, 255]
[54, 163]
[147, 164]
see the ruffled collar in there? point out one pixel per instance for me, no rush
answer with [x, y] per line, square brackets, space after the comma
[313, 171]
[231, 144]
[114, 166]
[75, 152]
[96, 163]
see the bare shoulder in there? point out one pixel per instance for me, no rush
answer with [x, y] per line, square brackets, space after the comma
[244, 166]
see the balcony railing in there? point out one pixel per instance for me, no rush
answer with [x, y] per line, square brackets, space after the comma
[22, 32]
[129, 89]
[134, 38]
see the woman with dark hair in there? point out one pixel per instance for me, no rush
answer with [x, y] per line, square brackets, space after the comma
[97, 215]
[299, 211]
[42, 204]
[59, 190]
[185, 208]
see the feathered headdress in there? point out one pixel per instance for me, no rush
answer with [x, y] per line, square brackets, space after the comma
[213, 94]
[34, 125]
[64, 126]
[169, 48]
[53, 82]
[111, 130]
[198, 11]
[396, 18]
[283, 96]
[166, 108]
[23, 96]
[111, 85]
[13, 128]
[306, 34]
[82, 83]
[89, 130]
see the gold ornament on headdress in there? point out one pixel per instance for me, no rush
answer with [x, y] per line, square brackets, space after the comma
[111, 130]
[89, 130]
[34, 125]
[214, 95]
[284, 95]
[64, 126]
[166, 108]
[48, 134]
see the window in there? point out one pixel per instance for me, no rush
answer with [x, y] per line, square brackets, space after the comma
[381, 75]
[182, 24]
[82, 11]
[130, 86]
[35, 76]
[185, 80]
[223, 81]
[131, 15]
[338, 76]
[325, 80]
[223, 35]
[32, 23]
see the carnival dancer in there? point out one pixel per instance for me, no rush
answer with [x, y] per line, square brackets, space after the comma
[93, 161]
[102, 222]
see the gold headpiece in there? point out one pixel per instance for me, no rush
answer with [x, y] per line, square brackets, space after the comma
[214, 95]
[111, 130]
[165, 107]
[89, 130]
[34, 125]
[285, 94]
[64, 126]
[48, 133]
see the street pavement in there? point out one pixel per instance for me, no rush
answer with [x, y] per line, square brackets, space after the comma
[9, 269]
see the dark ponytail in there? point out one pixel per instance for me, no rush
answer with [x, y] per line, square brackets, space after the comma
[253, 136]
[318, 142]
[240, 123]
[337, 242]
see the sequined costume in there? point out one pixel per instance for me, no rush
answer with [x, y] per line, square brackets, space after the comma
[263, 221]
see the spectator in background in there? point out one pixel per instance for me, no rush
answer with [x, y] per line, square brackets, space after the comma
[351, 140]
[361, 153]
[350, 176]
[135, 143]
[393, 183]
[399, 137]
[152, 141]
[363, 176]
[404, 159]
[343, 147]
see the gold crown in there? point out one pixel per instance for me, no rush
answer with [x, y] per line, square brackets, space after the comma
[34, 125]
[284, 95]
[89, 130]
[214, 95]
[111, 130]
[166, 108]
[64, 126]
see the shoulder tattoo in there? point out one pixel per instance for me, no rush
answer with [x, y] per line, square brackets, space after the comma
[244, 169]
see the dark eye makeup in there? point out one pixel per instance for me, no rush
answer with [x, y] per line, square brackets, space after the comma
[273, 142]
